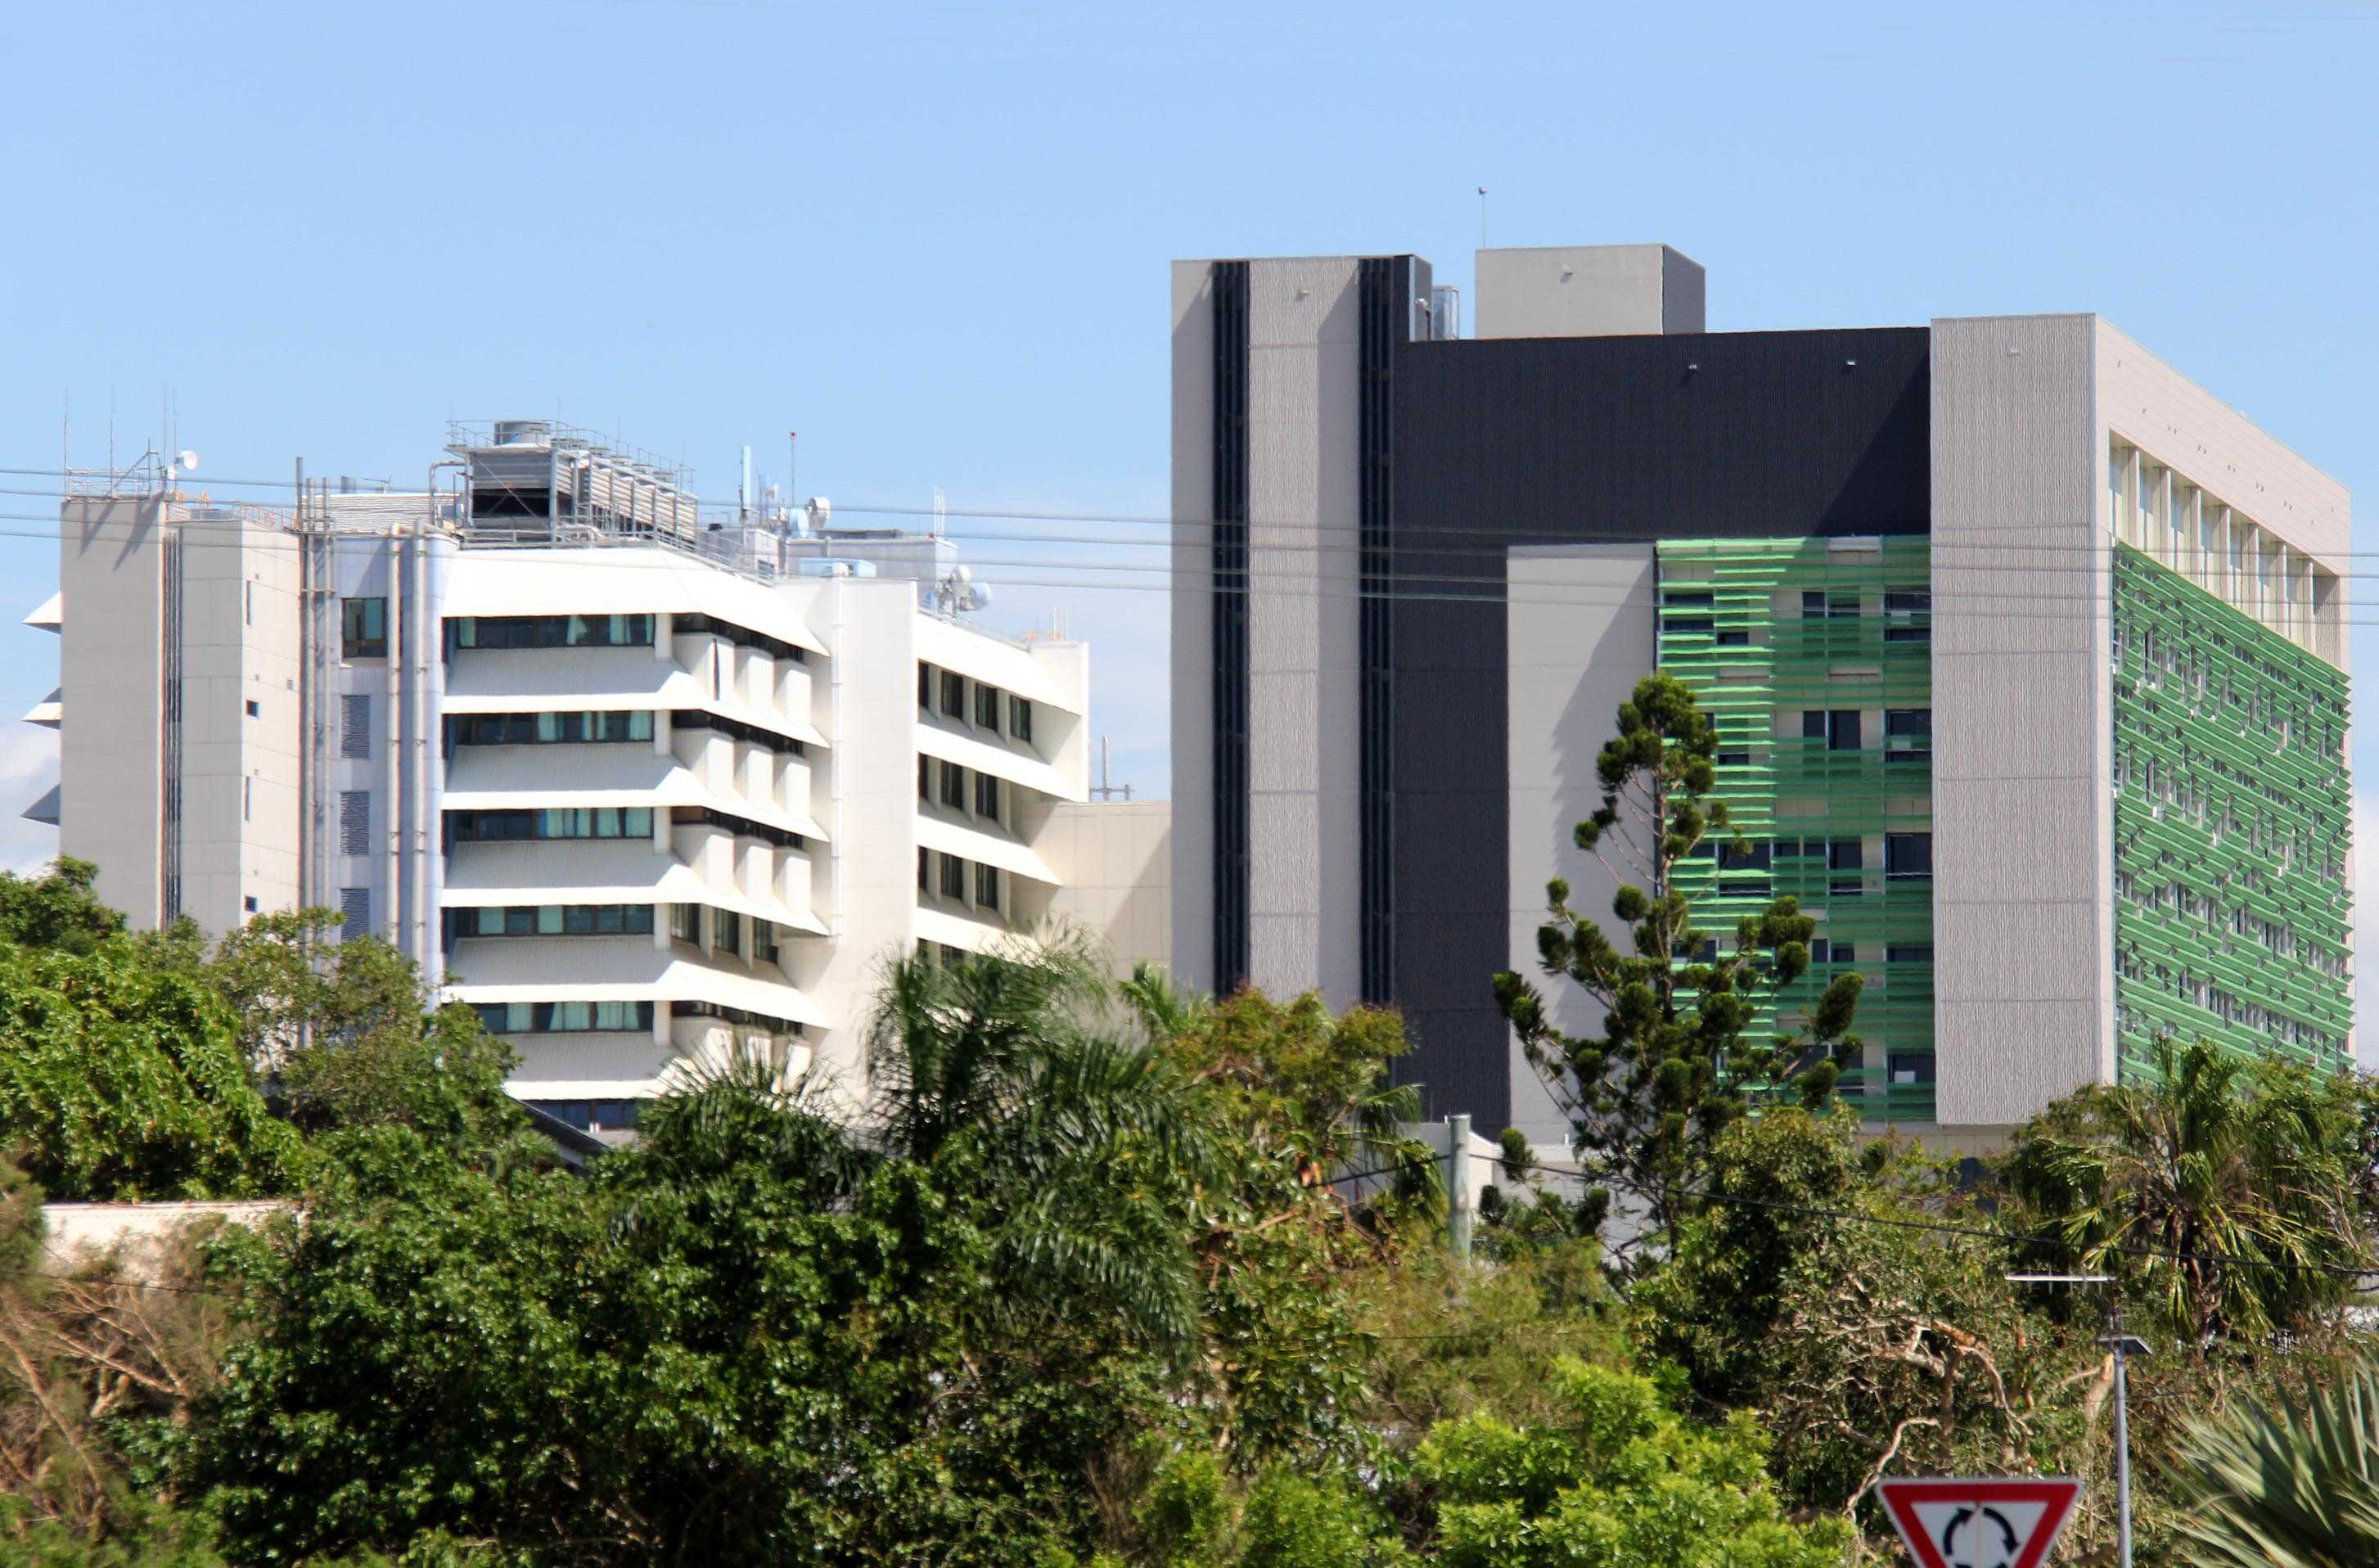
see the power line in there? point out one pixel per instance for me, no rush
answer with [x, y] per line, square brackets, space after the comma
[2338, 1271]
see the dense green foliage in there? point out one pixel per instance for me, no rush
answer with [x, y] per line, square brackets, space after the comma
[1086, 1280]
[1674, 1064]
[2232, 1196]
[2285, 1481]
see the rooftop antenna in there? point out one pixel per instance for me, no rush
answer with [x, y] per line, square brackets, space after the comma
[744, 490]
[1107, 788]
[792, 473]
[941, 513]
[1483, 217]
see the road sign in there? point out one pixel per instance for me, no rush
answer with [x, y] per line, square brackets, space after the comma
[1979, 1522]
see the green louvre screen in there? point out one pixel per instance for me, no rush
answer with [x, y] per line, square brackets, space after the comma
[1813, 658]
[2232, 822]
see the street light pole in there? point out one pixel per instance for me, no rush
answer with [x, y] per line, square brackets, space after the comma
[2122, 1347]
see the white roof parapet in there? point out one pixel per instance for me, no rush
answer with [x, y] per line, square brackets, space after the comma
[983, 655]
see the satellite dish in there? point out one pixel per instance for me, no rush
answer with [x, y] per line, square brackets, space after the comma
[189, 459]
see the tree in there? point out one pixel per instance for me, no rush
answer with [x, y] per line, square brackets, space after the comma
[56, 909]
[347, 1033]
[1668, 1073]
[2231, 1196]
[762, 1330]
[1807, 1291]
[119, 1081]
[2283, 1482]
[1619, 1480]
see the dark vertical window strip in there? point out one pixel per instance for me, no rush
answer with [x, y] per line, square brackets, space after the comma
[1230, 629]
[1385, 294]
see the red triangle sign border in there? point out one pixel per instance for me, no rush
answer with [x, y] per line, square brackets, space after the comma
[1898, 1496]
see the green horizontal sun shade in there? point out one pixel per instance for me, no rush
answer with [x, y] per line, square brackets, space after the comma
[2232, 827]
[1767, 632]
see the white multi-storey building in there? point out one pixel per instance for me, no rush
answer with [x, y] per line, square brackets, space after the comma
[644, 786]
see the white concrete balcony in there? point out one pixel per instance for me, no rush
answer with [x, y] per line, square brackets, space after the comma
[571, 680]
[624, 773]
[954, 833]
[621, 969]
[620, 872]
[950, 739]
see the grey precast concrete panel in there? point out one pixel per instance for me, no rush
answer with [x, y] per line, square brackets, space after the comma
[1584, 291]
[1582, 629]
[111, 771]
[1193, 915]
[2023, 845]
[1303, 370]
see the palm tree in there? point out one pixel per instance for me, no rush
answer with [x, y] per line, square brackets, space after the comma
[1092, 1149]
[2279, 1483]
[2222, 1189]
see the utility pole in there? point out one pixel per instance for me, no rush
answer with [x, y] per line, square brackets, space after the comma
[1457, 1186]
[2122, 1347]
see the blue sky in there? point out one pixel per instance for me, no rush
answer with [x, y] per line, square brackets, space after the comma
[934, 239]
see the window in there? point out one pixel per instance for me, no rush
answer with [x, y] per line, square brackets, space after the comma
[602, 726]
[924, 777]
[764, 941]
[1842, 606]
[986, 887]
[563, 822]
[1908, 953]
[354, 821]
[987, 707]
[363, 628]
[1735, 759]
[1909, 1066]
[953, 877]
[1752, 855]
[1908, 601]
[563, 1018]
[248, 903]
[1845, 953]
[953, 695]
[1689, 625]
[1908, 721]
[685, 922]
[925, 870]
[255, 708]
[354, 912]
[1908, 855]
[550, 630]
[954, 786]
[555, 920]
[1838, 727]
[726, 931]
[925, 684]
[986, 797]
[1020, 718]
[1846, 854]
[688, 625]
[1734, 639]
[1691, 598]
